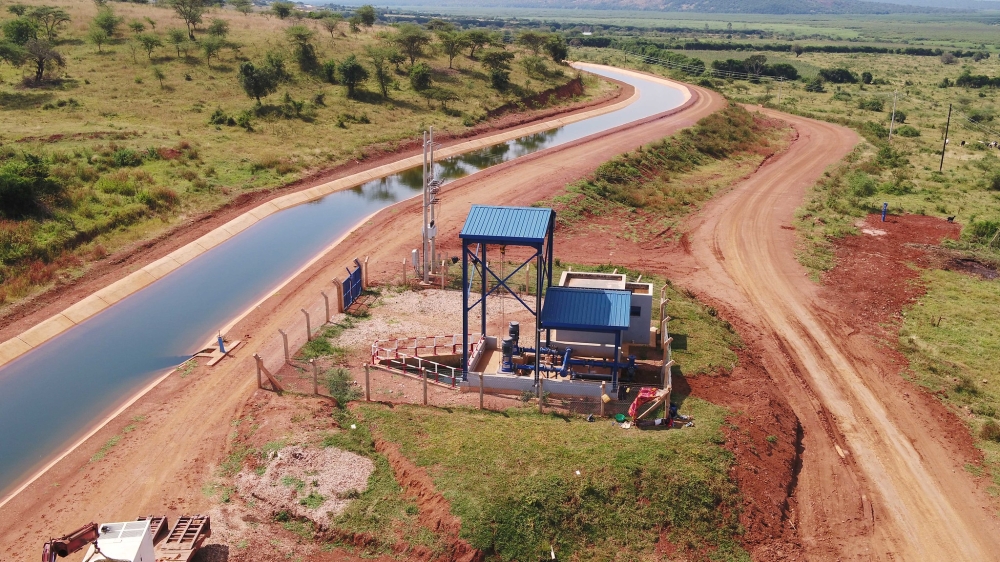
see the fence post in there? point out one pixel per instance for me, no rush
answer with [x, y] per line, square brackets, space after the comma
[404, 272]
[481, 378]
[443, 273]
[368, 384]
[315, 376]
[309, 335]
[338, 288]
[424, 373]
[257, 362]
[284, 341]
[326, 304]
[364, 274]
[603, 394]
[541, 393]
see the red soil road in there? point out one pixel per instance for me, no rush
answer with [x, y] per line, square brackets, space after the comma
[875, 482]
[161, 466]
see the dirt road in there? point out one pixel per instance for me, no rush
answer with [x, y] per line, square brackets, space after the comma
[169, 443]
[877, 482]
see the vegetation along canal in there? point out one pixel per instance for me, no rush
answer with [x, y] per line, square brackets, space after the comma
[55, 392]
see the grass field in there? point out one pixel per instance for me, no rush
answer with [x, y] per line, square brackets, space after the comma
[523, 483]
[952, 340]
[133, 153]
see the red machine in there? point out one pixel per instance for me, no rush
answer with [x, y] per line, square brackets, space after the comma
[64, 546]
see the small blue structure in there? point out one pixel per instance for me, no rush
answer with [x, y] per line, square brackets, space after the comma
[530, 227]
[885, 209]
[588, 310]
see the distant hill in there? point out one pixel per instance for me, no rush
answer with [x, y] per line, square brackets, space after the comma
[718, 6]
[952, 4]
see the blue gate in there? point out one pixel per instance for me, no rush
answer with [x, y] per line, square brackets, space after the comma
[352, 285]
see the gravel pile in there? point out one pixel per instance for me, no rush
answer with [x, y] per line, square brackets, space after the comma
[312, 483]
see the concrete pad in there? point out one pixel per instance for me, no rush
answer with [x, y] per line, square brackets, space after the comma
[12, 349]
[161, 267]
[186, 253]
[86, 308]
[125, 287]
[46, 330]
[213, 239]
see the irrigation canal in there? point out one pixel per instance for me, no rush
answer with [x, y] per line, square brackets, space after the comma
[53, 394]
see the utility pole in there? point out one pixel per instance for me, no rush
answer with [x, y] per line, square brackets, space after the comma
[944, 144]
[431, 188]
[892, 120]
[779, 92]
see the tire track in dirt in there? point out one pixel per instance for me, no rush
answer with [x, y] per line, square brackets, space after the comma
[874, 484]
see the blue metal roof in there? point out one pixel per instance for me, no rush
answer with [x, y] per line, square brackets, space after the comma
[513, 225]
[589, 310]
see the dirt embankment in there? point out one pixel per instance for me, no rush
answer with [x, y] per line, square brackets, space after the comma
[20, 316]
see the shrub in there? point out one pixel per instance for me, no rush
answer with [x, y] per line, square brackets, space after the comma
[908, 131]
[838, 76]
[990, 431]
[126, 158]
[26, 187]
[420, 76]
[861, 184]
[341, 386]
[871, 104]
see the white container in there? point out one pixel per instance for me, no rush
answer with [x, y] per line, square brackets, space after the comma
[130, 540]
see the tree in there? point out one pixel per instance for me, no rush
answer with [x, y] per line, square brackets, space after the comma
[396, 58]
[191, 12]
[420, 77]
[866, 77]
[50, 19]
[797, 49]
[137, 27]
[367, 15]
[354, 23]
[379, 57]
[452, 43]
[498, 64]
[17, 9]
[218, 28]
[20, 30]
[98, 37]
[352, 74]
[159, 75]
[244, 7]
[331, 22]
[438, 25]
[532, 40]
[178, 38]
[301, 37]
[477, 40]
[12, 54]
[495, 59]
[151, 22]
[107, 21]
[282, 9]
[556, 47]
[949, 58]
[755, 64]
[41, 53]
[149, 42]
[258, 81]
[210, 47]
[411, 39]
